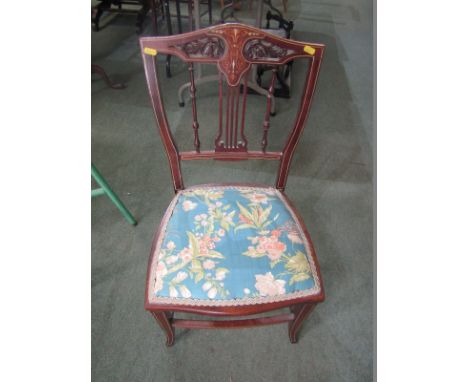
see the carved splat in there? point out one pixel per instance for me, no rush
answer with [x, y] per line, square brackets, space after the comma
[207, 47]
[233, 64]
[230, 138]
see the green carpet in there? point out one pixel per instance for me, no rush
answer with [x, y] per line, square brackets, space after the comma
[330, 182]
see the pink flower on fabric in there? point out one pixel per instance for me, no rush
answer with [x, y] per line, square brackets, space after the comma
[173, 292]
[158, 285]
[188, 205]
[205, 244]
[212, 293]
[276, 232]
[294, 237]
[185, 292]
[269, 245]
[220, 274]
[268, 286]
[207, 286]
[221, 232]
[171, 245]
[258, 198]
[171, 259]
[209, 264]
[262, 241]
[161, 269]
[181, 276]
[186, 255]
[274, 248]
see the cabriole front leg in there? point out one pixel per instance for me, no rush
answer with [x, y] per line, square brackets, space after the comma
[164, 320]
[301, 312]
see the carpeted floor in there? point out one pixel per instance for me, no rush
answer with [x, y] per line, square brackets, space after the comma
[330, 182]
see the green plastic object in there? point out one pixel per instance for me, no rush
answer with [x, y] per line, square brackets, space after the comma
[107, 190]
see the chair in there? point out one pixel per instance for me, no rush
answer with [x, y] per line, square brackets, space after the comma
[146, 5]
[231, 250]
[193, 10]
[283, 74]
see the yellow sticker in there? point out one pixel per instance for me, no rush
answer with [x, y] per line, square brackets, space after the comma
[309, 50]
[150, 51]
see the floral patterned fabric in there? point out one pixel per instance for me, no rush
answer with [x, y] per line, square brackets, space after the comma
[230, 245]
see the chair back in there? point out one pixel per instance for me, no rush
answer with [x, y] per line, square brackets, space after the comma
[234, 49]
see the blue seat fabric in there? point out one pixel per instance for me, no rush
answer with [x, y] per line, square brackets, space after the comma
[231, 243]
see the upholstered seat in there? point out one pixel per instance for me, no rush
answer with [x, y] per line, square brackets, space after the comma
[231, 245]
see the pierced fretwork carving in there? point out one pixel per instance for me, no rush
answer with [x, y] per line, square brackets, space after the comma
[208, 47]
[262, 50]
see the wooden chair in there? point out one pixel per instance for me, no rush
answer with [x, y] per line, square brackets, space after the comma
[231, 250]
[145, 6]
[193, 13]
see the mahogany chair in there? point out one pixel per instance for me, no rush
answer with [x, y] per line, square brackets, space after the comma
[146, 5]
[231, 250]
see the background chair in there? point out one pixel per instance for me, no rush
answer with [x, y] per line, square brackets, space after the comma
[193, 15]
[144, 6]
[231, 249]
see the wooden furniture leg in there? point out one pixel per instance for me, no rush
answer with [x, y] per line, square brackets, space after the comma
[105, 189]
[190, 14]
[300, 311]
[154, 16]
[145, 6]
[179, 16]
[299, 314]
[169, 32]
[210, 12]
[164, 320]
[98, 11]
[100, 71]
